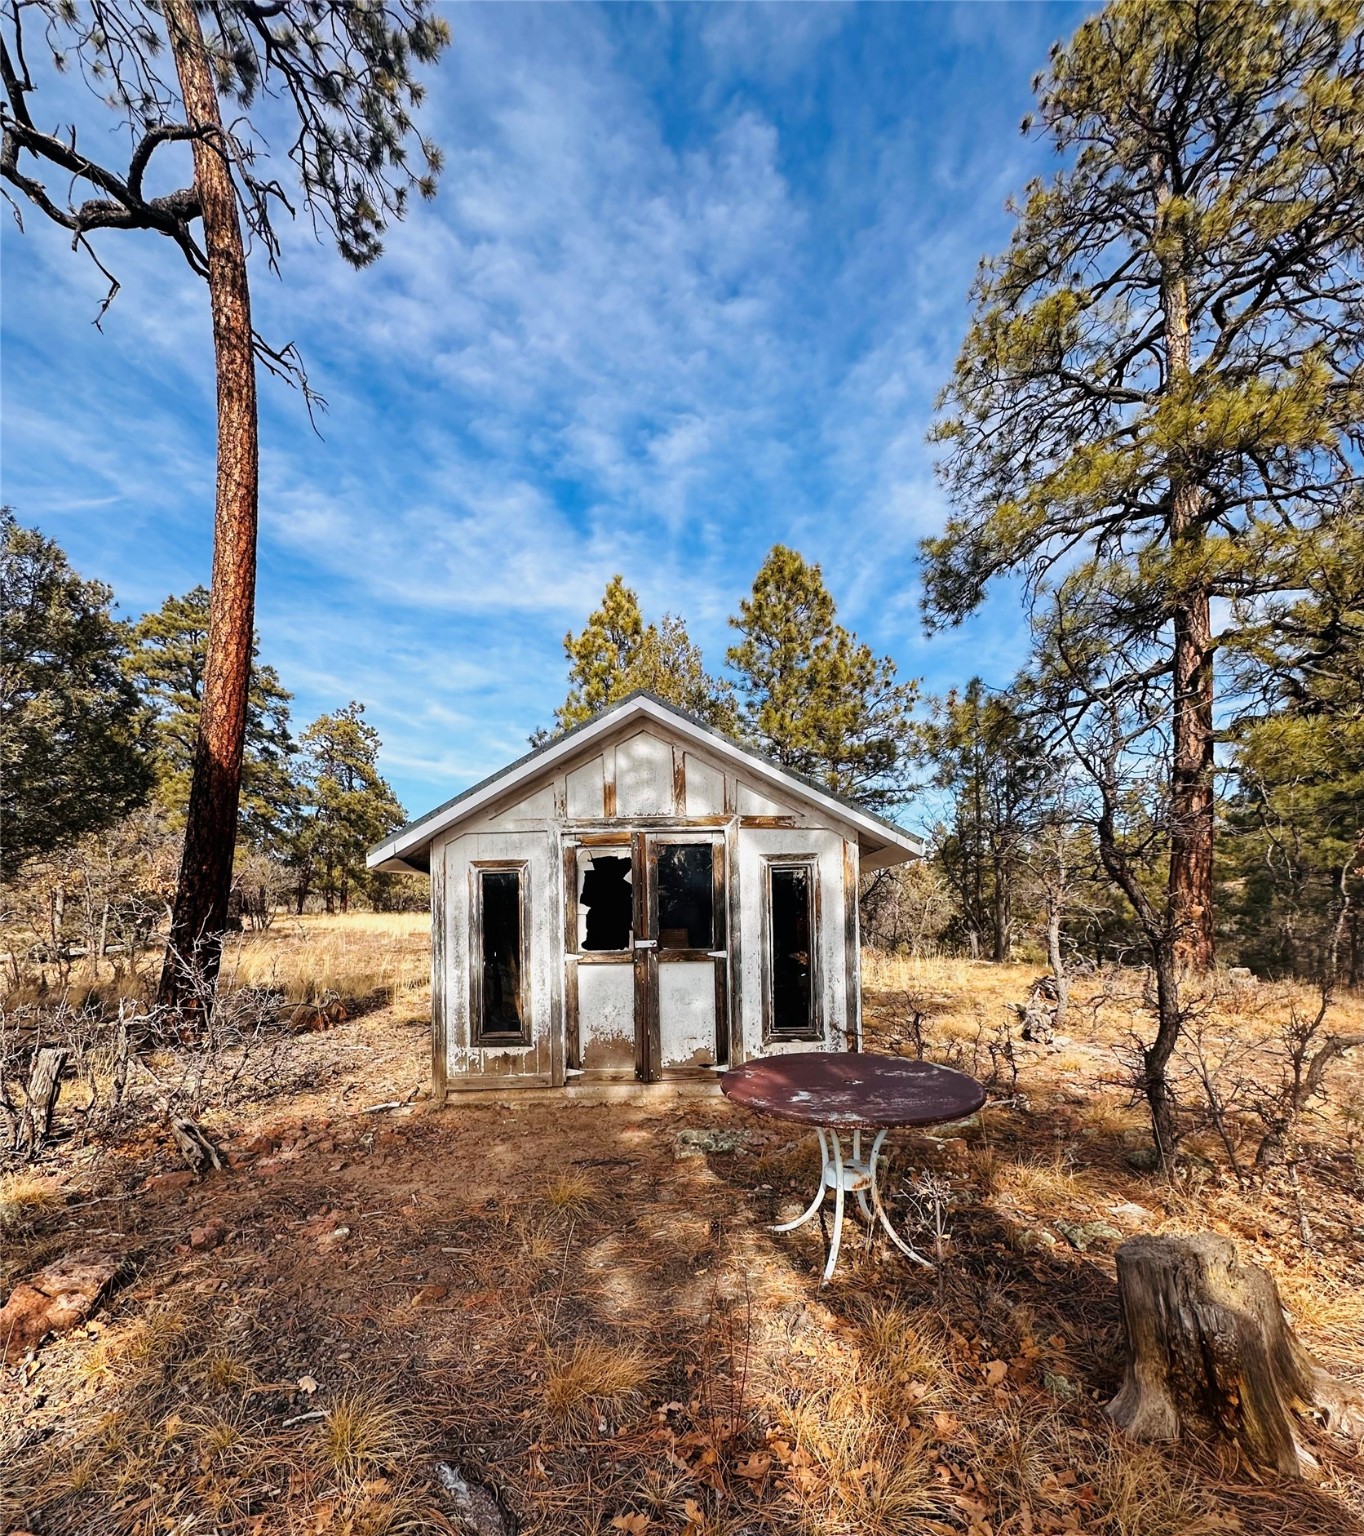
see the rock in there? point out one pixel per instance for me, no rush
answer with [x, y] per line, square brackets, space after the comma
[478, 1507]
[168, 1183]
[1084, 1235]
[1030, 1238]
[1129, 1212]
[56, 1299]
[698, 1143]
[209, 1235]
[950, 1128]
[1242, 976]
[1058, 1385]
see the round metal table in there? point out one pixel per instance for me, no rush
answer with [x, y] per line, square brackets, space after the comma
[852, 1091]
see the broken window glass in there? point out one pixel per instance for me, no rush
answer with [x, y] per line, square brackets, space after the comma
[792, 922]
[606, 900]
[686, 896]
[500, 914]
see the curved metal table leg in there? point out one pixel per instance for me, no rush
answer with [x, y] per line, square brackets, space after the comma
[790, 1226]
[862, 1203]
[838, 1208]
[881, 1210]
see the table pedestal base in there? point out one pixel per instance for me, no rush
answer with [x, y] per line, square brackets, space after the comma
[850, 1176]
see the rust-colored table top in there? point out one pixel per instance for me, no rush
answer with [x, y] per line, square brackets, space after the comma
[853, 1089]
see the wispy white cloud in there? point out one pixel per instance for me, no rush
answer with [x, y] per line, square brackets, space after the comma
[692, 281]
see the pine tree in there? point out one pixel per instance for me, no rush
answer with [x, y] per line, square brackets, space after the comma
[812, 696]
[600, 657]
[1294, 862]
[348, 806]
[1162, 384]
[616, 654]
[340, 77]
[72, 751]
[167, 660]
[996, 771]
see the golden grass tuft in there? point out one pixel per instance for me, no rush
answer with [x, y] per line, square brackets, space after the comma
[1044, 1184]
[1142, 1492]
[596, 1380]
[25, 1198]
[141, 1351]
[540, 1240]
[361, 1435]
[902, 1363]
[221, 1371]
[571, 1192]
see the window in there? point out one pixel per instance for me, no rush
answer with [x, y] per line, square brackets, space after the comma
[606, 900]
[500, 1000]
[791, 926]
[686, 896]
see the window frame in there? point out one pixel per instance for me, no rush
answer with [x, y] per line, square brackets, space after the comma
[658, 842]
[617, 847]
[814, 1029]
[479, 1038]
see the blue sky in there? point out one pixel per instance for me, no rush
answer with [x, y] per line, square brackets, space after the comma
[691, 284]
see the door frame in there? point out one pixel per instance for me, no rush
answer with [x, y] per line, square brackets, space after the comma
[643, 843]
[649, 1041]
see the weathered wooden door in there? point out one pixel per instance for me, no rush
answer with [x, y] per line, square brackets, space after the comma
[685, 952]
[647, 968]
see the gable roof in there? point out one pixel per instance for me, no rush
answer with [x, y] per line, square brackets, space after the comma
[882, 840]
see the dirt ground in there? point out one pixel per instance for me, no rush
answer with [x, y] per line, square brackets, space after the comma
[574, 1301]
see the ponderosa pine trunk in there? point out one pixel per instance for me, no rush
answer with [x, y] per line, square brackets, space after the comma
[1191, 773]
[200, 912]
[1191, 786]
[1056, 960]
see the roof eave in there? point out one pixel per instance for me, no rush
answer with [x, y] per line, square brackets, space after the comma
[875, 833]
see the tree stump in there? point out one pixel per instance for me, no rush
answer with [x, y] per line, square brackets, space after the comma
[44, 1086]
[1206, 1333]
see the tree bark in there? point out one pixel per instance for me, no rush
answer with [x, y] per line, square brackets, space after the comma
[1206, 1335]
[1056, 960]
[200, 912]
[1191, 787]
[1191, 773]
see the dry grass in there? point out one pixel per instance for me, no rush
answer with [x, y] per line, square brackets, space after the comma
[571, 1192]
[594, 1383]
[26, 1198]
[362, 1434]
[544, 1296]
[355, 956]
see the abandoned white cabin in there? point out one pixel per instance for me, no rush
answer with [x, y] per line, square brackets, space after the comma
[641, 898]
